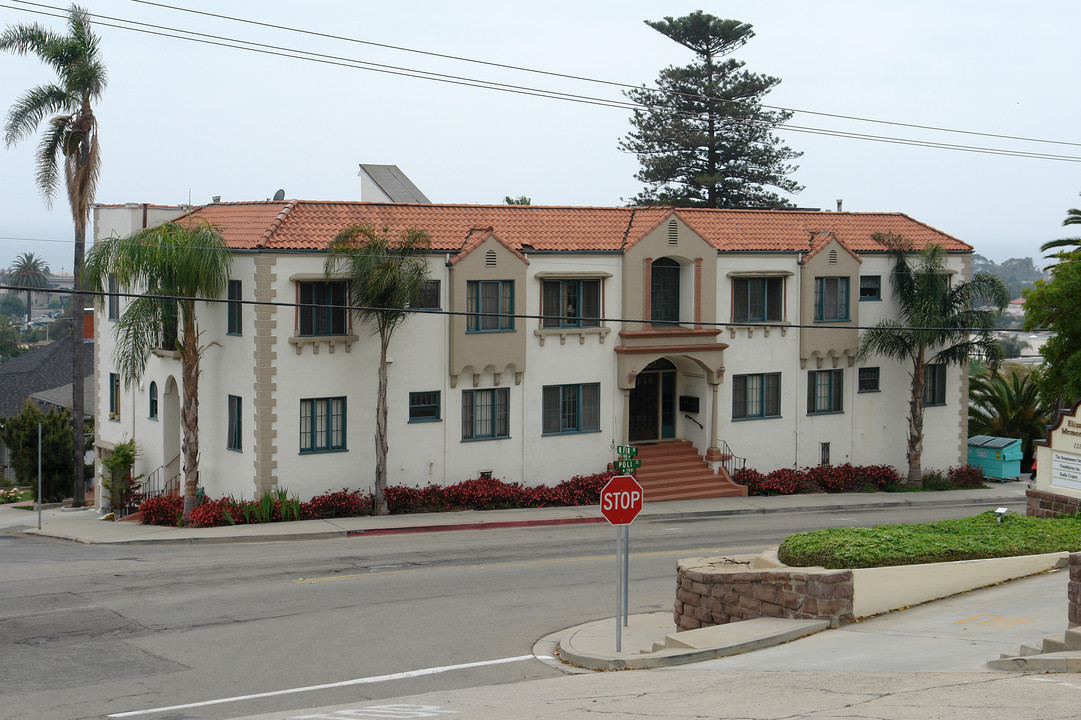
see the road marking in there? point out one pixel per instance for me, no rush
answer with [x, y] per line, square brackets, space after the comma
[327, 686]
[994, 621]
[396, 710]
[518, 563]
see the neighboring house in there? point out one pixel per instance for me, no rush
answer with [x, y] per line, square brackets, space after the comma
[40, 374]
[1016, 307]
[556, 334]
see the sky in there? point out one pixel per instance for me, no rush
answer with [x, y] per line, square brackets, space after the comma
[182, 121]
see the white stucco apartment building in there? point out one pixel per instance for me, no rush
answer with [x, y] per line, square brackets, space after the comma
[552, 335]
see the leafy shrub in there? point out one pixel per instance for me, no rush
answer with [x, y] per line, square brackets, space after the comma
[750, 478]
[10, 495]
[215, 513]
[878, 477]
[341, 503]
[934, 481]
[965, 477]
[784, 481]
[834, 478]
[162, 510]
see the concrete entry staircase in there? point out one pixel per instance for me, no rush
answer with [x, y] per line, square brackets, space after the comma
[674, 470]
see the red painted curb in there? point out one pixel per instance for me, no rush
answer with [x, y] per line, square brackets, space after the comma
[473, 526]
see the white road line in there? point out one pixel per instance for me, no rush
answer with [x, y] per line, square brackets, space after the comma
[344, 683]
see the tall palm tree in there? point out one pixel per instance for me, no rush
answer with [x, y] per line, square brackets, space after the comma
[71, 133]
[173, 265]
[938, 325]
[1007, 405]
[1073, 217]
[31, 272]
[383, 278]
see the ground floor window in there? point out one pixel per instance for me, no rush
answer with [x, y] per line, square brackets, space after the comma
[485, 414]
[756, 396]
[232, 435]
[571, 408]
[825, 391]
[934, 388]
[424, 406]
[322, 425]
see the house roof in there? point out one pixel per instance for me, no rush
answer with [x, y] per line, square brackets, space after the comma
[43, 368]
[311, 225]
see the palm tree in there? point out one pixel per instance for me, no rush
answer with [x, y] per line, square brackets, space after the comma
[938, 325]
[72, 133]
[1073, 217]
[1007, 405]
[173, 265]
[31, 272]
[383, 278]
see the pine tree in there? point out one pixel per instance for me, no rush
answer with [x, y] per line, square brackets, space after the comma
[703, 138]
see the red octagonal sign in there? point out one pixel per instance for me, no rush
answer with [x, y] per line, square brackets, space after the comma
[621, 500]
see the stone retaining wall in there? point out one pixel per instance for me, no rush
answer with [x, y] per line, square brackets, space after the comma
[1073, 590]
[1050, 505]
[715, 592]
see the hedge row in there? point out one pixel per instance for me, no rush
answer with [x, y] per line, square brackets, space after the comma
[850, 478]
[480, 494]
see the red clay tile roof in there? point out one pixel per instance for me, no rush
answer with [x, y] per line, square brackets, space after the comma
[821, 240]
[311, 225]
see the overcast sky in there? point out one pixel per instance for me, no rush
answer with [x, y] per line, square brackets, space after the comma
[183, 120]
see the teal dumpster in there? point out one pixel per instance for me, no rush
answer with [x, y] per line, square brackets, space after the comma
[999, 457]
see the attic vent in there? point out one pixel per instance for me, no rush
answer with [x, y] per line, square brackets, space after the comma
[833, 257]
[489, 258]
[673, 232]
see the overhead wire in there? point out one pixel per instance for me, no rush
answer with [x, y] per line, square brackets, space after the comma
[468, 313]
[298, 54]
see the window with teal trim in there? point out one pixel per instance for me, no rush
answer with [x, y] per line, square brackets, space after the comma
[664, 292]
[153, 400]
[756, 396]
[757, 299]
[233, 430]
[424, 406]
[825, 391]
[491, 304]
[322, 425]
[831, 299]
[486, 414]
[571, 408]
[934, 388]
[571, 303]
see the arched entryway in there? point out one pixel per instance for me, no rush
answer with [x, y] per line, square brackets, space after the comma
[171, 435]
[653, 403]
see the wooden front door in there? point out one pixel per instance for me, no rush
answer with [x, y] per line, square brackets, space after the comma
[653, 406]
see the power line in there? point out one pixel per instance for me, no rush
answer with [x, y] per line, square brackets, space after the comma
[583, 78]
[274, 50]
[516, 316]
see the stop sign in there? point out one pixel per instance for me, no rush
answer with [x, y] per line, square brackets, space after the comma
[621, 500]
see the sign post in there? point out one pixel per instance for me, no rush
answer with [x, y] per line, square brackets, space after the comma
[621, 501]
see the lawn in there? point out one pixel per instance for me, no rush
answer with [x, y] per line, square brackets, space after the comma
[973, 538]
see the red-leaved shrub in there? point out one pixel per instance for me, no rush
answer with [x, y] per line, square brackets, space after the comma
[161, 510]
[340, 503]
[965, 477]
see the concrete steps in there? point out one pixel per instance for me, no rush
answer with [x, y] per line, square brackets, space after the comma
[1058, 653]
[675, 471]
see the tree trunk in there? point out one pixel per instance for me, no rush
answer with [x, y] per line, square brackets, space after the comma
[381, 431]
[915, 423]
[189, 413]
[78, 440]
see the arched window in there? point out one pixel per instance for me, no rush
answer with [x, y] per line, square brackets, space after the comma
[153, 400]
[664, 292]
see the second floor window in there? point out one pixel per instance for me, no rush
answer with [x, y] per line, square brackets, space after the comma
[322, 308]
[429, 296]
[114, 299]
[153, 400]
[664, 292]
[493, 303]
[868, 379]
[871, 287]
[831, 299]
[235, 309]
[757, 299]
[571, 303]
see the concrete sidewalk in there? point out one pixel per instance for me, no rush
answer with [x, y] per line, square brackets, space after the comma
[85, 526]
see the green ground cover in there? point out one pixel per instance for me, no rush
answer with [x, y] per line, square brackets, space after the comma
[973, 538]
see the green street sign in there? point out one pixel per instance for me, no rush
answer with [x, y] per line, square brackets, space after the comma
[627, 465]
[627, 450]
